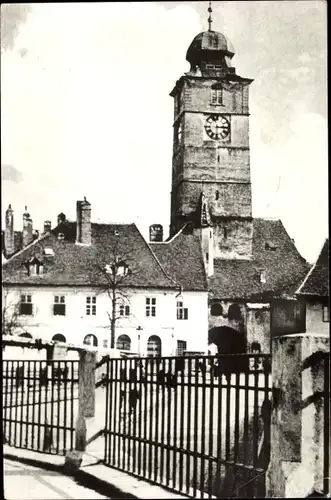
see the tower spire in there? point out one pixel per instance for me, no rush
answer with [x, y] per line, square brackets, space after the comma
[210, 10]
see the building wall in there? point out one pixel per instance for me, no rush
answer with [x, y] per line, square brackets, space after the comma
[258, 327]
[314, 319]
[75, 325]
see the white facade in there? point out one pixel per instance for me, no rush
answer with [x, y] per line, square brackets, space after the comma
[76, 324]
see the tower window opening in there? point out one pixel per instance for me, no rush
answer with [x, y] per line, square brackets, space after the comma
[218, 158]
[217, 97]
[207, 257]
[217, 195]
[225, 232]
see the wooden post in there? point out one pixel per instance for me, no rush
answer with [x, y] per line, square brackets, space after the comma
[86, 406]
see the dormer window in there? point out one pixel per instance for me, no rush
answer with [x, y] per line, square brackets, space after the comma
[263, 275]
[118, 269]
[269, 245]
[49, 252]
[35, 267]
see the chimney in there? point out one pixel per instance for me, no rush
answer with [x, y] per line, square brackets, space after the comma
[9, 232]
[155, 233]
[47, 226]
[61, 218]
[27, 228]
[83, 223]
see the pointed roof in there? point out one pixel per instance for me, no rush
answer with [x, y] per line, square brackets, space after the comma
[274, 252]
[316, 283]
[76, 265]
[182, 259]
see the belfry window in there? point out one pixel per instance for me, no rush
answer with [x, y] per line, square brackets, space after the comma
[217, 97]
[217, 195]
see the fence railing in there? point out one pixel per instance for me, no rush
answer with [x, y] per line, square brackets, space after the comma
[39, 404]
[197, 425]
[326, 423]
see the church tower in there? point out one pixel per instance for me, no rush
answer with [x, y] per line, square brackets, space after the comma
[211, 146]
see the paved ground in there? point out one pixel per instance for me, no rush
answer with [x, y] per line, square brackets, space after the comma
[25, 482]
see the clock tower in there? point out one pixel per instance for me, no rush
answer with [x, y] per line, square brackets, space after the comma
[211, 146]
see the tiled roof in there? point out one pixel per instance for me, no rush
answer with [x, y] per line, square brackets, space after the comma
[78, 265]
[316, 282]
[273, 252]
[181, 257]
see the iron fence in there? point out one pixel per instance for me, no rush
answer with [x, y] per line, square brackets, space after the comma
[39, 399]
[199, 425]
[326, 461]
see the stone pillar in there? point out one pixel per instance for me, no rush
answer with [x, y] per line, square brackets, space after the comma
[297, 447]
[86, 407]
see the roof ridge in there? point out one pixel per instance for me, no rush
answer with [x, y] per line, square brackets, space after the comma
[154, 256]
[37, 240]
[312, 268]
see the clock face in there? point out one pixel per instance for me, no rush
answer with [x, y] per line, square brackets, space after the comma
[217, 127]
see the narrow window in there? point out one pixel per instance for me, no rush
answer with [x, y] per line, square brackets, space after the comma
[181, 347]
[217, 195]
[326, 314]
[59, 306]
[217, 97]
[91, 306]
[26, 305]
[207, 256]
[225, 232]
[182, 312]
[124, 310]
[150, 306]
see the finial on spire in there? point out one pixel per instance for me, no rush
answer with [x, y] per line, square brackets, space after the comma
[210, 10]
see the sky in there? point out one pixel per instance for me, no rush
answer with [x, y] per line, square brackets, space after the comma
[86, 111]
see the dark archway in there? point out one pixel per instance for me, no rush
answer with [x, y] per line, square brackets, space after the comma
[123, 343]
[59, 338]
[154, 346]
[228, 340]
[26, 335]
[91, 339]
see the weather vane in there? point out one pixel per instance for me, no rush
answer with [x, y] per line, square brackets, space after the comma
[210, 10]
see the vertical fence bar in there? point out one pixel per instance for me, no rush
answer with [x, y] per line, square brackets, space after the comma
[196, 414]
[33, 403]
[256, 415]
[65, 398]
[228, 411]
[203, 426]
[120, 411]
[188, 431]
[219, 423]
[162, 448]
[11, 401]
[246, 416]
[175, 447]
[157, 448]
[20, 383]
[108, 413]
[169, 394]
[5, 418]
[151, 415]
[145, 416]
[237, 413]
[27, 404]
[211, 428]
[41, 375]
[115, 417]
[181, 430]
[135, 414]
[74, 367]
[326, 461]
[124, 421]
